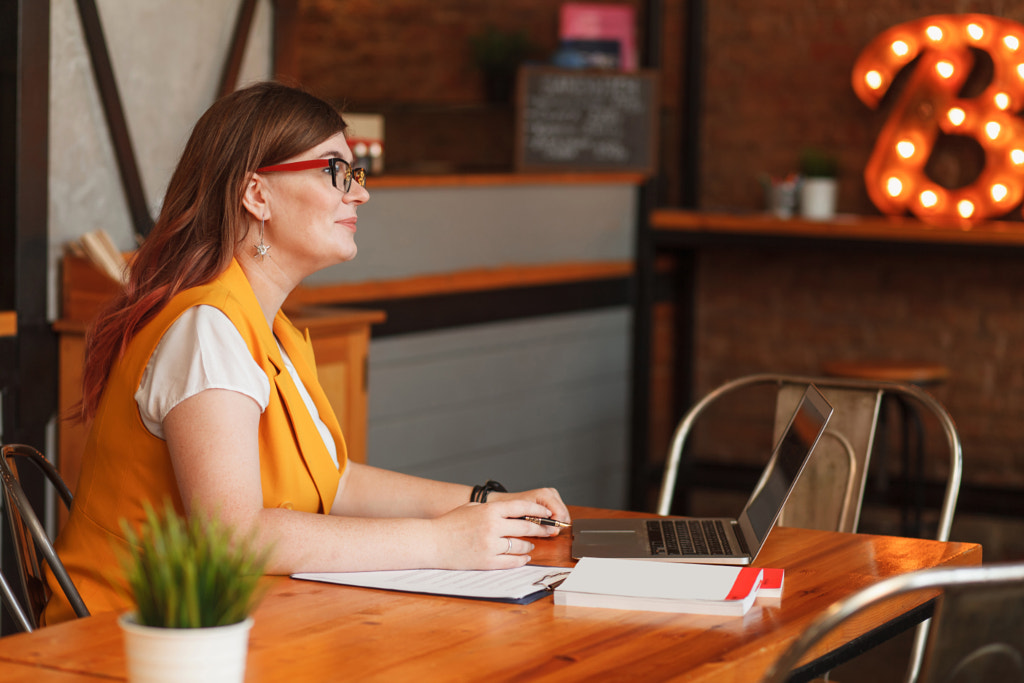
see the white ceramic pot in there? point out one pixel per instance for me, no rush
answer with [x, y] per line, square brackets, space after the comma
[196, 655]
[818, 198]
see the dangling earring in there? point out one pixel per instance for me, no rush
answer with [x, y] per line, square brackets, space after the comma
[261, 248]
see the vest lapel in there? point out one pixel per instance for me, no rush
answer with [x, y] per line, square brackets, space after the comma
[311, 447]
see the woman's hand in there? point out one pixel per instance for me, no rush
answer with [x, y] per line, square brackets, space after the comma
[487, 536]
[547, 497]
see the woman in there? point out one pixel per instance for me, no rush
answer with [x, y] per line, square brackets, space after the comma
[202, 391]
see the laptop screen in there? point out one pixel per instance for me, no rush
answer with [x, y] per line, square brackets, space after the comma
[787, 462]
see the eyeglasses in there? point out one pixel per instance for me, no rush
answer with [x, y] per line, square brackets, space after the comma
[335, 164]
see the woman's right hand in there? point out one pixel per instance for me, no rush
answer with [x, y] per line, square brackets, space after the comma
[487, 536]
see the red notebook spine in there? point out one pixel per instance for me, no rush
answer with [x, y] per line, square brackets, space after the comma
[744, 584]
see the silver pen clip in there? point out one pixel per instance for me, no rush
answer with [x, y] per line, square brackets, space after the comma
[552, 581]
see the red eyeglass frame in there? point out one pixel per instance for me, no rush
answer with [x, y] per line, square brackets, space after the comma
[357, 173]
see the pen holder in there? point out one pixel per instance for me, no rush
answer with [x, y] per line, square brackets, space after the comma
[198, 655]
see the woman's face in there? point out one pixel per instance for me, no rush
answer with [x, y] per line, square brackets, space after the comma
[311, 223]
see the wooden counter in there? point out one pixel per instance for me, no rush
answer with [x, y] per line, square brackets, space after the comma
[503, 179]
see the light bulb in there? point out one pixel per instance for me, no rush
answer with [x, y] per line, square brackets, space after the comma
[1017, 156]
[893, 186]
[945, 69]
[992, 130]
[928, 199]
[956, 116]
[975, 31]
[873, 79]
[965, 208]
[934, 33]
[905, 148]
[999, 192]
[900, 48]
[1002, 101]
[1011, 42]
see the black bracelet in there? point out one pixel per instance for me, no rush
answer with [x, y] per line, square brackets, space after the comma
[479, 494]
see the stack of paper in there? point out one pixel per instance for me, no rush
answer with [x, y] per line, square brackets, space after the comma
[660, 586]
[521, 585]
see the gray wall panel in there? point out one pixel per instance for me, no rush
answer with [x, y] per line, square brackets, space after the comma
[411, 232]
[531, 403]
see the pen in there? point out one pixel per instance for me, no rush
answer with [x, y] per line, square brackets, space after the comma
[545, 521]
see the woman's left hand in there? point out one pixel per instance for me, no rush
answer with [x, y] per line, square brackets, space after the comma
[547, 497]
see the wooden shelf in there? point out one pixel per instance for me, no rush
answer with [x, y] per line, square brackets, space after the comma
[895, 229]
[8, 323]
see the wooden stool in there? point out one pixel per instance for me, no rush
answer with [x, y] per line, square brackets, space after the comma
[907, 372]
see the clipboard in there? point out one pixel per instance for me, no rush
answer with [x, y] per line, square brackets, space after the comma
[519, 586]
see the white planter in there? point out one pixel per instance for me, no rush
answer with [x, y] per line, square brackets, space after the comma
[196, 655]
[818, 198]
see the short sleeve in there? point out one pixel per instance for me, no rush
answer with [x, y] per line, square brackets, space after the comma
[201, 350]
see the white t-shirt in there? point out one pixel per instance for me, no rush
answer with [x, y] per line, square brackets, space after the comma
[203, 350]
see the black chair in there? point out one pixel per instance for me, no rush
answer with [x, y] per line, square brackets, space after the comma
[30, 540]
[974, 634]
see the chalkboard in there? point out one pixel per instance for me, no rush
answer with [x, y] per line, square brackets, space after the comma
[586, 120]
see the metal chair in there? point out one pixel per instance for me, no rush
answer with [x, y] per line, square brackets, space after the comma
[830, 491]
[31, 542]
[974, 633]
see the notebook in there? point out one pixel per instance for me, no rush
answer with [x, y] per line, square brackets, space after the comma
[715, 540]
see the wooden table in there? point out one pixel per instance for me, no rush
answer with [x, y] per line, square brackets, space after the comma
[309, 631]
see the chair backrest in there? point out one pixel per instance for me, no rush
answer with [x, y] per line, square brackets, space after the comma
[974, 633]
[30, 540]
[831, 489]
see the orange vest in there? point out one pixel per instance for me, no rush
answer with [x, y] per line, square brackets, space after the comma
[124, 465]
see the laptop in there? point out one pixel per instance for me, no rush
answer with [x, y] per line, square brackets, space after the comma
[715, 540]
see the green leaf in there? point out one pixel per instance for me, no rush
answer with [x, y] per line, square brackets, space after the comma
[191, 573]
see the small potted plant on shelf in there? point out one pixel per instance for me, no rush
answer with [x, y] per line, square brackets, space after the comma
[819, 171]
[194, 584]
[498, 55]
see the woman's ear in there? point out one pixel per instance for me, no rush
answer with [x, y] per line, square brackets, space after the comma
[255, 198]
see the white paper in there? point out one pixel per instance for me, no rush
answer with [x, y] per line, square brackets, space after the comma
[497, 584]
[645, 579]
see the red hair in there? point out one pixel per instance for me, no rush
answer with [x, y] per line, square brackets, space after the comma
[203, 219]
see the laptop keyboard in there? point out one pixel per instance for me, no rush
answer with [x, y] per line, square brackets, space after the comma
[688, 537]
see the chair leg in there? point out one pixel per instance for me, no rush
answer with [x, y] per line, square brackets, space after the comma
[13, 606]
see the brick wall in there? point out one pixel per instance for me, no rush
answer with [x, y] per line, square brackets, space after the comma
[777, 79]
[411, 60]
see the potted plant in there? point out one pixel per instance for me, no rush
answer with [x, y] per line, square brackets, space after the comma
[194, 585]
[819, 170]
[498, 55]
